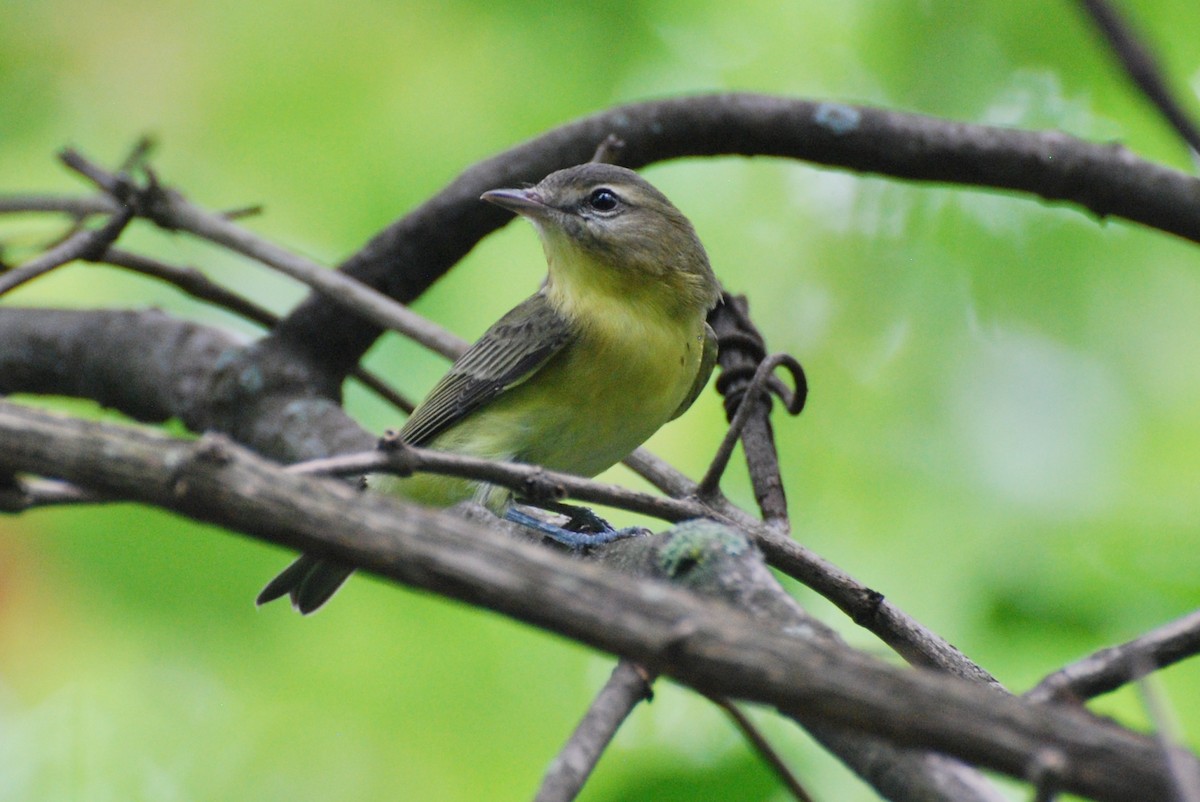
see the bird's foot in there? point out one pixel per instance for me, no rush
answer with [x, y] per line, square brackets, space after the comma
[586, 528]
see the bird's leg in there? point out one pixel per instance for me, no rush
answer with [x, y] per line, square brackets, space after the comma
[580, 519]
[584, 528]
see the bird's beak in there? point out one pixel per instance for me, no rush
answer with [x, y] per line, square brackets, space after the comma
[522, 201]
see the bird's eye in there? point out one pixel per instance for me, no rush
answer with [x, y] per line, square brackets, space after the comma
[603, 199]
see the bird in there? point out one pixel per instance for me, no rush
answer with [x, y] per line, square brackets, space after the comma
[614, 344]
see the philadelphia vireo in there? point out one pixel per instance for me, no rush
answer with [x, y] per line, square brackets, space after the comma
[578, 375]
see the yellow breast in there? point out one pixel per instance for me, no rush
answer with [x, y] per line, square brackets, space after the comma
[629, 367]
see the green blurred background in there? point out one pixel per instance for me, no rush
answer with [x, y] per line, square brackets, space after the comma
[1001, 436]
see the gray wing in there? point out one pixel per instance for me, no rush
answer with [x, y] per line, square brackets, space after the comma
[507, 354]
[707, 360]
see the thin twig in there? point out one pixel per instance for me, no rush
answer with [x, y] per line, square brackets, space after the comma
[1112, 667]
[753, 393]
[1184, 774]
[1045, 774]
[381, 388]
[660, 473]
[763, 747]
[242, 212]
[707, 645]
[138, 154]
[742, 348]
[627, 687]
[530, 482]
[866, 607]
[1142, 67]
[80, 245]
[172, 211]
[73, 205]
[193, 282]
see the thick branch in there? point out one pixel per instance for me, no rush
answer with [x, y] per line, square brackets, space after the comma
[182, 370]
[85, 354]
[706, 645]
[408, 256]
[145, 363]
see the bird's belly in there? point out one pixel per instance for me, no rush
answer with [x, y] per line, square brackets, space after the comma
[590, 406]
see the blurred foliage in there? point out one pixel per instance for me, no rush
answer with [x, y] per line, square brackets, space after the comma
[1001, 434]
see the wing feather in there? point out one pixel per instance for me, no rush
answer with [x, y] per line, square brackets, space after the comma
[508, 353]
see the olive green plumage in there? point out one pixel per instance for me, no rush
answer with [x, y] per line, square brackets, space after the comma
[578, 375]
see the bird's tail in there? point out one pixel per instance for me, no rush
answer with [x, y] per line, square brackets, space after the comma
[309, 581]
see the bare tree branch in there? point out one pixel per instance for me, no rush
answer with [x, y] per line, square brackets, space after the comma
[408, 256]
[1142, 68]
[172, 211]
[72, 205]
[185, 372]
[194, 283]
[706, 645]
[866, 607]
[1112, 667]
[79, 245]
[532, 483]
[741, 355]
[84, 354]
[845, 125]
[763, 747]
[1184, 775]
[626, 689]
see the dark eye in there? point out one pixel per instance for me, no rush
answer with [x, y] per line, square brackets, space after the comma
[603, 199]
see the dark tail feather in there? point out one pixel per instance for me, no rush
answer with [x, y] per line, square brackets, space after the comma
[309, 581]
[289, 579]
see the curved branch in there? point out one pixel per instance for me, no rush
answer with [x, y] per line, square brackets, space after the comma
[408, 256]
[764, 749]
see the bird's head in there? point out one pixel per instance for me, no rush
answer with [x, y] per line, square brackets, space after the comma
[607, 225]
